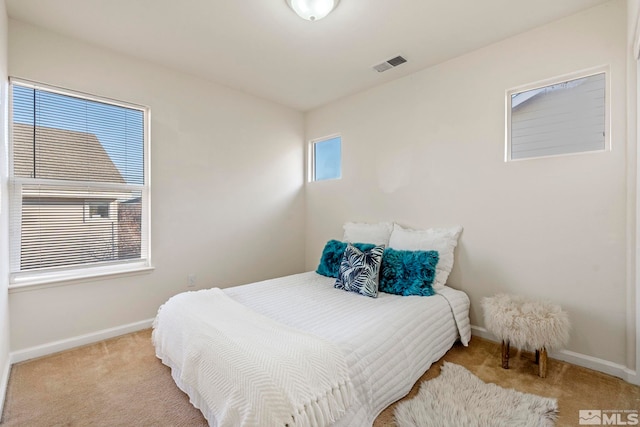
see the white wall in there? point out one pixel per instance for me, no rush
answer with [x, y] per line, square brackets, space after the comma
[427, 150]
[227, 200]
[4, 223]
[633, 34]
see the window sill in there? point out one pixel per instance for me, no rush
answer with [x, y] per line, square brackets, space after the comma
[34, 282]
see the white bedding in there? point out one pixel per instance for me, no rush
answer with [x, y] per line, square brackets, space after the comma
[388, 342]
[249, 369]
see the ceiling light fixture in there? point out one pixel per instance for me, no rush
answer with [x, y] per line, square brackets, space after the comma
[312, 10]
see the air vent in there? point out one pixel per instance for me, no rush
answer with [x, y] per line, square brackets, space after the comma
[389, 64]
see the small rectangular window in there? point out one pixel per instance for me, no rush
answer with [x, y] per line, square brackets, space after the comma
[96, 209]
[326, 162]
[564, 116]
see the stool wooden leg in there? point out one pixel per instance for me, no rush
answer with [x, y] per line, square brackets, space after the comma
[505, 354]
[542, 366]
[537, 356]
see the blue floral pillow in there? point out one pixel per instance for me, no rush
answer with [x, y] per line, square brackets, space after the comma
[332, 256]
[359, 270]
[408, 272]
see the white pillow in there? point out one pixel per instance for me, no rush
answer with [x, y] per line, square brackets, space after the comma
[360, 232]
[443, 240]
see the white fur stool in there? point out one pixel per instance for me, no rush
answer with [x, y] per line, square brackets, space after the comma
[527, 324]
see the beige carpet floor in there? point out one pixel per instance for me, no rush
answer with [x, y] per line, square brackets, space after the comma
[119, 382]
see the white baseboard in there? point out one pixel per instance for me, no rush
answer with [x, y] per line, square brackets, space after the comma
[574, 358]
[4, 383]
[632, 376]
[80, 340]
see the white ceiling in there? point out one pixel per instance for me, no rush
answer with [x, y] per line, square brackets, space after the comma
[263, 48]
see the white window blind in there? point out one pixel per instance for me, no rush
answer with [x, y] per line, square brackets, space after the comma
[79, 182]
[564, 117]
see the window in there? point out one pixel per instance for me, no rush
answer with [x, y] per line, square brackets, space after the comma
[326, 158]
[96, 209]
[564, 116]
[79, 185]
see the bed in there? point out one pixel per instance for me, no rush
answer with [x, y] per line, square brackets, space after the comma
[386, 343]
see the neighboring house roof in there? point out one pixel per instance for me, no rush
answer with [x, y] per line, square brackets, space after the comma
[521, 98]
[62, 154]
[134, 200]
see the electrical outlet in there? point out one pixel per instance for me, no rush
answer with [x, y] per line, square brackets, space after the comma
[191, 281]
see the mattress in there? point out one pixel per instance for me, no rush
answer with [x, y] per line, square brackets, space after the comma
[388, 342]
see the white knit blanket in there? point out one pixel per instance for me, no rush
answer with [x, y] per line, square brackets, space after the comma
[248, 369]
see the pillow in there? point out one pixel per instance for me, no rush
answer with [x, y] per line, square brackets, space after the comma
[408, 272]
[332, 256]
[443, 240]
[359, 270]
[377, 234]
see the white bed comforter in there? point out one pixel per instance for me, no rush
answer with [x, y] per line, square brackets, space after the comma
[387, 342]
[249, 369]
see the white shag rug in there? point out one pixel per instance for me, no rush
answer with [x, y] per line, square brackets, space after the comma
[458, 398]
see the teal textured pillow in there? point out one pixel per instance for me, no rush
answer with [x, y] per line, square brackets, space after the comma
[332, 256]
[359, 270]
[408, 272]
